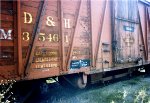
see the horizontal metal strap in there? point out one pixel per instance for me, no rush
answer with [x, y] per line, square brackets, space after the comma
[127, 20]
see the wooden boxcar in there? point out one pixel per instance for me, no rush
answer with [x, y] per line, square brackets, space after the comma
[73, 39]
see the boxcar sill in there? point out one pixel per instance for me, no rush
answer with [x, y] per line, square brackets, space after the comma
[114, 68]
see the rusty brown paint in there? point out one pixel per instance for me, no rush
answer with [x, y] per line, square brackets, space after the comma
[20, 69]
[73, 37]
[34, 40]
[61, 31]
[141, 31]
[99, 34]
[147, 29]
[15, 33]
[92, 50]
[73, 43]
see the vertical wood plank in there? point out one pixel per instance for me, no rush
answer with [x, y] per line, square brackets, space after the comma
[146, 42]
[92, 50]
[112, 10]
[100, 32]
[61, 33]
[19, 38]
[141, 32]
[148, 31]
[15, 37]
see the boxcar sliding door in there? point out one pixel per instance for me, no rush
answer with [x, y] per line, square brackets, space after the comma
[126, 31]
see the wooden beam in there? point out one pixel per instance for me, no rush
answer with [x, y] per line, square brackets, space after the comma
[69, 54]
[148, 27]
[100, 33]
[141, 32]
[19, 38]
[91, 35]
[61, 33]
[15, 42]
[112, 10]
[146, 37]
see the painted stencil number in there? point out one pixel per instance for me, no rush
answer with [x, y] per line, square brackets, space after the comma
[41, 37]
[26, 36]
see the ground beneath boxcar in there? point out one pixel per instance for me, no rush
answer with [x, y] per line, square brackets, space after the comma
[135, 90]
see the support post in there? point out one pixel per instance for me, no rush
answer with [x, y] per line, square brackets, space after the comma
[19, 38]
[100, 33]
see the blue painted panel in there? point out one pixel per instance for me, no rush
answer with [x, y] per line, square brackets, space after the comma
[128, 28]
[77, 64]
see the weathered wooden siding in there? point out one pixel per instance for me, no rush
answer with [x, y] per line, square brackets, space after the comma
[64, 32]
[126, 24]
[8, 40]
[56, 37]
